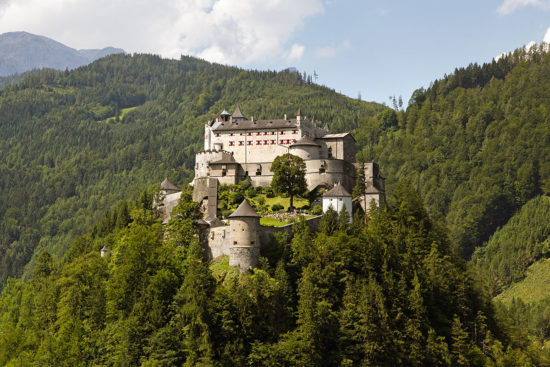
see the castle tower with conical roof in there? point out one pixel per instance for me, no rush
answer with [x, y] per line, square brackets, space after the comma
[244, 227]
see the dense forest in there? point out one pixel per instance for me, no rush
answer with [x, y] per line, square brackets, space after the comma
[74, 143]
[394, 292]
[475, 143]
[413, 287]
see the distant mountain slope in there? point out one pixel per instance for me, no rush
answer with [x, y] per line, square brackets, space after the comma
[22, 51]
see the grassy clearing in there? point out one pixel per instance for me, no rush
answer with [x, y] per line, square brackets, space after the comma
[533, 288]
[123, 112]
[298, 202]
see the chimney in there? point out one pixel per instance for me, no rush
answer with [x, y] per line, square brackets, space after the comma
[251, 118]
[285, 116]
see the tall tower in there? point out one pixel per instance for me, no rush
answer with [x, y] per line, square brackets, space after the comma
[244, 225]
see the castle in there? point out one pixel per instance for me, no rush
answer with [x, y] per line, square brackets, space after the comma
[238, 148]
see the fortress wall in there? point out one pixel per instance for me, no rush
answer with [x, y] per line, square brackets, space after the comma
[244, 257]
[200, 188]
[219, 242]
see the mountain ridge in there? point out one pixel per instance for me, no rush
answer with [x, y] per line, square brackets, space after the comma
[23, 51]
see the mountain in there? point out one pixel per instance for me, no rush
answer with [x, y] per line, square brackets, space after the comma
[22, 51]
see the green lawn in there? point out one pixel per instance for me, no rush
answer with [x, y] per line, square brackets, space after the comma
[272, 222]
[534, 287]
[298, 202]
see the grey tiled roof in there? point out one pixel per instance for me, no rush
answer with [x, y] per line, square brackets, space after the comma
[255, 125]
[244, 210]
[304, 140]
[337, 191]
[167, 185]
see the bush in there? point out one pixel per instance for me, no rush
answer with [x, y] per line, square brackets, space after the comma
[260, 200]
[276, 207]
[317, 210]
[269, 192]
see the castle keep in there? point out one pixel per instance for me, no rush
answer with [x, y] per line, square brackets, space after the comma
[237, 148]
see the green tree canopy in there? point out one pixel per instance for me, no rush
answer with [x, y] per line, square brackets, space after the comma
[289, 173]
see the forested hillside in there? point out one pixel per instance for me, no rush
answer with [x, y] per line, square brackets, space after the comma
[392, 293]
[475, 143]
[73, 143]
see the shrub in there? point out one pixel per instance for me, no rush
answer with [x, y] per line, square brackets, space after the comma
[276, 207]
[317, 210]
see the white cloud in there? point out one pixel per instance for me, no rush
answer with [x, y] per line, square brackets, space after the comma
[226, 31]
[509, 6]
[547, 36]
[331, 51]
[296, 52]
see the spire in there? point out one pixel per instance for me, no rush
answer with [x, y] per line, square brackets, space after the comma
[299, 113]
[237, 114]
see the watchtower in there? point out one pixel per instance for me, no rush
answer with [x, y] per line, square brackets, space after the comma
[244, 226]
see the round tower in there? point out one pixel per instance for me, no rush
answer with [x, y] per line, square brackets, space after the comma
[305, 148]
[244, 225]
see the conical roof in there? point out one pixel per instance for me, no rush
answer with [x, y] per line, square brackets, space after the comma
[167, 185]
[299, 113]
[224, 113]
[237, 114]
[304, 140]
[337, 191]
[244, 210]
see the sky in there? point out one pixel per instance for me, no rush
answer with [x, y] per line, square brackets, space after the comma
[368, 48]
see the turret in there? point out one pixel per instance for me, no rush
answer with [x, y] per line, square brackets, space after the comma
[167, 188]
[244, 225]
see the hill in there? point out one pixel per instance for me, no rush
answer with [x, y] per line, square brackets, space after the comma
[22, 51]
[73, 143]
[475, 144]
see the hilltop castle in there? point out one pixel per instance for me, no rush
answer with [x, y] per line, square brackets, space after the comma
[237, 148]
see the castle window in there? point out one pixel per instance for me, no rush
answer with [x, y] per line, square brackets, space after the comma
[265, 142]
[273, 133]
[234, 242]
[224, 173]
[322, 170]
[241, 142]
[249, 142]
[282, 132]
[231, 143]
[272, 141]
[258, 133]
[295, 131]
[330, 152]
[217, 135]
[251, 242]
[281, 141]
[249, 134]
[230, 134]
[258, 142]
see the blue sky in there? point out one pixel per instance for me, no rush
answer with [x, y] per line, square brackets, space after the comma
[372, 47]
[388, 48]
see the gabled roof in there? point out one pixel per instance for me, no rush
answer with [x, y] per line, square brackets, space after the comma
[244, 210]
[254, 125]
[304, 140]
[337, 191]
[167, 185]
[237, 114]
[335, 136]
